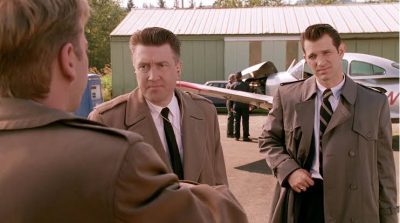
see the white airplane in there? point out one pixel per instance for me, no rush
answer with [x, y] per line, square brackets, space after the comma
[375, 72]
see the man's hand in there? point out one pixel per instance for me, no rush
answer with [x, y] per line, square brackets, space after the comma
[300, 180]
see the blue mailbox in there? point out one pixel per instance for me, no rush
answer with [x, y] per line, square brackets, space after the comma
[91, 97]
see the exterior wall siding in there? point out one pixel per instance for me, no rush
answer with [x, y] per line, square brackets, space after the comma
[387, 48]
[123, 79]
[214, 59]
[202, 60]
[236, 57]
[275, 51]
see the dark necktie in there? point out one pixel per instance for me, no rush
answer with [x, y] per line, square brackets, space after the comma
[172, 145]
[325, 116]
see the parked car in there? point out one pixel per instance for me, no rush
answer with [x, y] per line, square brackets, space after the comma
[218, 102]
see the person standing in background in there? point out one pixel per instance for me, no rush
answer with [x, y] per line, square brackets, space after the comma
[229, 108]
[241, 110]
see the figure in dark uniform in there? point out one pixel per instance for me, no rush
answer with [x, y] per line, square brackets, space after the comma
[241, 110]
[229, 108]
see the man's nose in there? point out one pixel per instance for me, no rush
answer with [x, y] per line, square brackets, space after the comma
[153, 74]
[321, 61]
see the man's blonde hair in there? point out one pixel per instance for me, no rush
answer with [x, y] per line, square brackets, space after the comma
[32, 32]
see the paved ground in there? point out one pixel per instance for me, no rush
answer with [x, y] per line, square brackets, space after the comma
[249, 177]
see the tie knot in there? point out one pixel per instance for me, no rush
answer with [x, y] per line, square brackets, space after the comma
[165, 112]
[327, 93]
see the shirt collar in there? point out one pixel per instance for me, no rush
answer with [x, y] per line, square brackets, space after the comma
[336, 91]
[173, 107]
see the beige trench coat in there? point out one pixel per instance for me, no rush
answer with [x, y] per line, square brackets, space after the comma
[55, 167]
[202, 151]
[359, 171]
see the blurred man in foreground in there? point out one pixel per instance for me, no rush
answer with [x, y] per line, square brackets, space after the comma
[55, 167]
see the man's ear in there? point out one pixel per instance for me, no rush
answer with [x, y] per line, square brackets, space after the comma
[342, 49]
[66, 58]
[179, 69]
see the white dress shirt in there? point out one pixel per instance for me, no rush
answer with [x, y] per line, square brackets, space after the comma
[174, 117]
[334, 100]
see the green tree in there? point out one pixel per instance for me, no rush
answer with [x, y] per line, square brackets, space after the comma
[228, 4]
[274, 2]
[253, 3]
[105, 16]
[320, 2]
[246, 3]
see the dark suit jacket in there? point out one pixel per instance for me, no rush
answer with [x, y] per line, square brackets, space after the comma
[240, 86]
[202, 151]
[55, 167]
[359, 172]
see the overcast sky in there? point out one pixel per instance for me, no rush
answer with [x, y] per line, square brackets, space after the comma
[169, 3]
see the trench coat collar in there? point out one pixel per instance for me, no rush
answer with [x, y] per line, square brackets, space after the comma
[349, 91]
[138, 119]
[345, 106]
[22, 113]
[309, 89]
[136, 108]
[193, 136]
[193, 127]
[305, 110]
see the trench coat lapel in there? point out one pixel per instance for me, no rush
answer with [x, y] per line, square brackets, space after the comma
[193, 131]
[138, 119]
[345, 106]
[305, 118]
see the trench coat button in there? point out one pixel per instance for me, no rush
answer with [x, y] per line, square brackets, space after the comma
[353, 187]
[352, 153]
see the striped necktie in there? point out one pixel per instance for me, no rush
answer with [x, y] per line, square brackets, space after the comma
[325, 116]
[175, 158]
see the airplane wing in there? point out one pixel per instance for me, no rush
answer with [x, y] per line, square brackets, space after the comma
[259, 100]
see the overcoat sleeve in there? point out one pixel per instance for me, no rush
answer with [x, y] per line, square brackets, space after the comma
[272, 143]
[145, 192]
[388, 208]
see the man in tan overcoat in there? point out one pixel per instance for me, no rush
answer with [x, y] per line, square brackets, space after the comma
[156, 59]
[55, 167]
[328, 142]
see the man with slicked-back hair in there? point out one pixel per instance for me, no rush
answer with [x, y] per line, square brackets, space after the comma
[194, 150]
[328, 141]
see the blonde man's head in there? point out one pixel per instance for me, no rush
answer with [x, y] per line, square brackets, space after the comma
[31, 34]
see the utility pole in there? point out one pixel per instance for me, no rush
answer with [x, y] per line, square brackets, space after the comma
[182, 6]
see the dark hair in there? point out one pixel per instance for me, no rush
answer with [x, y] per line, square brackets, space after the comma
[238, 75]
[317, 31]
[155, 36]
